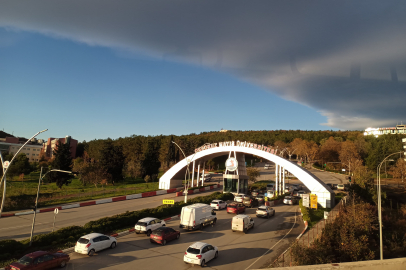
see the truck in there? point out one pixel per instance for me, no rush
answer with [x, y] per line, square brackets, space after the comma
[196, 216]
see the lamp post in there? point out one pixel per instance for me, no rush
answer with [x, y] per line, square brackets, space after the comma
[5, 171]
[378, 173]
[187, 170]
[36, 201]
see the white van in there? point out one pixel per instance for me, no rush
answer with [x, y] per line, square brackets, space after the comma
[196, 216]
[242, 223]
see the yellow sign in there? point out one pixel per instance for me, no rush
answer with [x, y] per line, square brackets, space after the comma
[168, 201]
[313, 201]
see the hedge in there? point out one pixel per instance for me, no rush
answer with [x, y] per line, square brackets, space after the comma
[12, 249]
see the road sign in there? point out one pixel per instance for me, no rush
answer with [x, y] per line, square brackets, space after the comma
[313, 201]
[326, 214]
[343, 170]
[168, 201]
[56, 211]
[306, 200]
[6, 164]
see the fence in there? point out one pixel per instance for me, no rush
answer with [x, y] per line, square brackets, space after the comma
[307, 237]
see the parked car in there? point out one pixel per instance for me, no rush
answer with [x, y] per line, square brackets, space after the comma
[260, 198]
[147, 225]
[250, 201]
[163, 235]
[196, 216]
[270, 187]
[290, 200]
[265, 211]
[200, 253]
[91, 243]
[239, 197]
[255, 192]
[218, 204]
[270, 194]
[235, 208]
[39, 260]
[242, 223]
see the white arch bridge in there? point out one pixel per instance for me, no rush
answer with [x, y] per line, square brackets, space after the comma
[175, 175]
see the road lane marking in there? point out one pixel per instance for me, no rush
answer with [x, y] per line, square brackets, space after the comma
[273, 245]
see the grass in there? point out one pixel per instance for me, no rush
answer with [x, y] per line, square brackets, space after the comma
[316, 215]
[50, 194]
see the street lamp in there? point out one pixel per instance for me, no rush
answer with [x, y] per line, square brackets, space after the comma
[378, 173]
[36, 201]
[187, 170]
[5, 171]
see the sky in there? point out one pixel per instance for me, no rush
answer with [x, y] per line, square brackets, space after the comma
[99, 69]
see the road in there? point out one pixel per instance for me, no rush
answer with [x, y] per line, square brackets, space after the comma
[259, 247]
[19, 227]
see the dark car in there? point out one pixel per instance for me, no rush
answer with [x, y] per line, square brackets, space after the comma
[250, 201]
[40, 260]
[255, 193]
[163, 235]
[261, 198]
[235, 208]
[330, 185]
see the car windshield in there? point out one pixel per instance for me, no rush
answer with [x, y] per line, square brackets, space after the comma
[213, 202]
[238, 196]
[25, 260]
[232, 206]
[83, 241]
[247, 198]
[142, 224]
[288, 198]
[158, 232]
[193, 250]
[262, 208]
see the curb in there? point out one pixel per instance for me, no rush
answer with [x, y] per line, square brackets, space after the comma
[117, 235]
[110, 200]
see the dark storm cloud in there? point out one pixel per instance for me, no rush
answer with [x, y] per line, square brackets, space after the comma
[346, 59]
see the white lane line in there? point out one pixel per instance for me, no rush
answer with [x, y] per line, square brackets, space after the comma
[273, 245]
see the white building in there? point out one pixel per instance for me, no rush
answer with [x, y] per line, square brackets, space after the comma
[399, 129]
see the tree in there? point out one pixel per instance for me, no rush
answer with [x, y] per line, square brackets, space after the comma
[348, 154]
[253, 173]
[62, 161]
[112, 160]
[399, 170]
[20, 165]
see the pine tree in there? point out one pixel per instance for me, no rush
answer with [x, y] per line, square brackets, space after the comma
[62, 161]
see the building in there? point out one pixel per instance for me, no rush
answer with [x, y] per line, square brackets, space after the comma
[51, 145]
[32, 149]
[399, 129]
[223, 130]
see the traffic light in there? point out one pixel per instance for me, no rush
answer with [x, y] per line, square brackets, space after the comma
[349, 179]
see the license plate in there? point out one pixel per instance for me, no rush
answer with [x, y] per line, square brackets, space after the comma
[189, 260]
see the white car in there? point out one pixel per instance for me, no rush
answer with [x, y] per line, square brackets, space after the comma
[239, 197]
[91, 243]
[200, 253]
[267, 166]
[340, 187]
[218, 204]
[300, 193]
[265, 211]
[147, 225]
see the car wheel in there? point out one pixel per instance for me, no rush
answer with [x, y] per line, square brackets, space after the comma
[91, 252]
[177, 236]
[203, 263]
[148, 233]
[253, 225]
[151, 241]
[113, 245]
[164, 242]
[216, 255]
[62, 264]
[245, 230]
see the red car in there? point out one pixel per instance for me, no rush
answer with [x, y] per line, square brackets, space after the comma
[235, 208]
[40, 260]
[163, 235]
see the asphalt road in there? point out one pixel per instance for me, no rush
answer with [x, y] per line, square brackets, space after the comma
[259, 247]
[19, 227]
